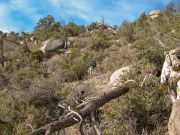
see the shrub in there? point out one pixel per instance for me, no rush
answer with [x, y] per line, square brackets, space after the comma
[37, 56]
[99, 42]
[126, 31]
[147, 49]
[33, 119]
[12, 112]
[24, 76]
[75, 66]
[93, 26]
[74, 29]
[142, 110]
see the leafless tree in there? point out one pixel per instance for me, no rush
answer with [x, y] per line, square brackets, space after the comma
[81, 112]
[2, 39]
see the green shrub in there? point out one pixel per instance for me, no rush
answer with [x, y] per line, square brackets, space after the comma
[75, 66]
[63, 93]
[148, 49]
[37, 56]
[33, 119]
[24, 76]
[143, 110]
[99, 42]
[12, 112]
[127, 31]
[74, 29]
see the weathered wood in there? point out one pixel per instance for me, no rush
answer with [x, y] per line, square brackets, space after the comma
[84, 110]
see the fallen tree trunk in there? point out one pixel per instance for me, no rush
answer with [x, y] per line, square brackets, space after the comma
[84, 110]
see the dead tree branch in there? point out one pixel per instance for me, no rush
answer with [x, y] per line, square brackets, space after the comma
[84, 110]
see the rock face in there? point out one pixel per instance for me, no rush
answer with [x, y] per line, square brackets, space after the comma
[52, 45]
[174, 120]
[118, 76]
[154, 14]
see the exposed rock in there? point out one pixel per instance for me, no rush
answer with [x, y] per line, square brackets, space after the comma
[115, 42]
[174, 120]
[70, 42]
[154, 14]
[93, 32]
[118, 76]
[34, 40]
[173, 31]
[51, 45]
[112, 30]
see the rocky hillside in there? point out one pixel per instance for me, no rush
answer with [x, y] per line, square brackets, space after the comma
[45, 71]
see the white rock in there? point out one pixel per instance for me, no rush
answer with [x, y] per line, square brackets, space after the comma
[117, 76]
[51, 45]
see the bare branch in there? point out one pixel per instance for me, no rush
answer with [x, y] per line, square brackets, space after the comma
[83, 110]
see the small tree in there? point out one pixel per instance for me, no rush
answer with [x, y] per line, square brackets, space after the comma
[45, 23]
[74, 29]
[46, 28]
[93, 26]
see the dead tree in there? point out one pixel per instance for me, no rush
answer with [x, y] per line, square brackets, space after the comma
[2, 39]
[82, 111]
[65, 32]
[2, 53]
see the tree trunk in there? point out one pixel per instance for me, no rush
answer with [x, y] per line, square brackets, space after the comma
[83, 109]
[2, 53]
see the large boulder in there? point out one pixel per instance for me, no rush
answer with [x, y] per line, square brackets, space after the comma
[117, 78]
[51, 45]
[154, 13]
[174, 120]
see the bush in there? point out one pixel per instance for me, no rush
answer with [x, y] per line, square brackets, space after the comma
[33, 119]
[99, 42]
[126, 31]
[147, 49]
[12, 112]
[24, 76]
[37, 56]
[144, 110]
[93, 26]
[74, 29]
[75, 66]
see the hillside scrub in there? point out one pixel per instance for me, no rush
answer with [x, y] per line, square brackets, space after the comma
[36, 85]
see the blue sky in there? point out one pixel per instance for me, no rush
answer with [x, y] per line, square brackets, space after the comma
[22, 15]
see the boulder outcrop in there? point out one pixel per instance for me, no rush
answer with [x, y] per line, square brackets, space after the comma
[154, 13]
[51, 45]
[118, 76]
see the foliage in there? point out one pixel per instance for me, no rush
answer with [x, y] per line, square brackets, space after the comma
[99, 42]
[148, 50]
[144, 110]
[93, 26]
[126, 31]
[33, 118]
[45, 23]
[74, 29]
[37, 55]
[47, 27]
[75, 66]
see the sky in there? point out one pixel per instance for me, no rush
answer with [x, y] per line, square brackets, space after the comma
[23, 15]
